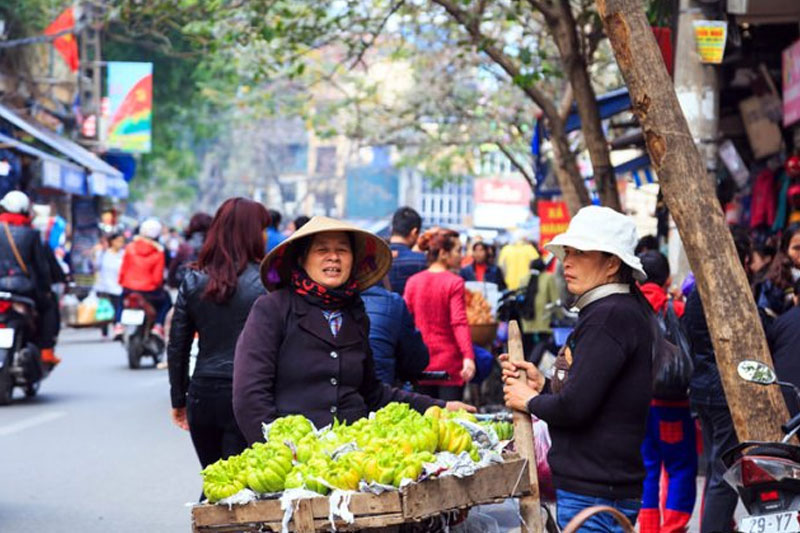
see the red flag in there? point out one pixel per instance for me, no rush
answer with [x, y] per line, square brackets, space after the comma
[66, 45]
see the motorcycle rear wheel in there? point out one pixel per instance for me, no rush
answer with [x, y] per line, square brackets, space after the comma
[135, 349]
[32, 389]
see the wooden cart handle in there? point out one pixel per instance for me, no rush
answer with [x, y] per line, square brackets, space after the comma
[529, 506]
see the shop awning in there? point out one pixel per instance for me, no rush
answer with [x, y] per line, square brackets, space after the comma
[56, 173]
[72, 150]
[609, 104]
[98, 170]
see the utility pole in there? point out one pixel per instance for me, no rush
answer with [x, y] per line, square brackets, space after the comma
[90, 86]
[697, 85]
[697, 88]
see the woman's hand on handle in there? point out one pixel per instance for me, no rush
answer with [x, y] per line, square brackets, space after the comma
[511, 371]
[468, 370]
[517, 394]
[179, 418]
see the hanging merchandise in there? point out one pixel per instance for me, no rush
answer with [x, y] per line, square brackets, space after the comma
[763, 134]
[763, 207]
[734, 163]
[792, 167]
[793, 201]
[781, 215]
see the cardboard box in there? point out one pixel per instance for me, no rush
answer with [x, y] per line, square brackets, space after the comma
[764, 135]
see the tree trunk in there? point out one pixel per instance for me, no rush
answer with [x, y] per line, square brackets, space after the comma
[573, 189]
[729, 307]
[563, 29]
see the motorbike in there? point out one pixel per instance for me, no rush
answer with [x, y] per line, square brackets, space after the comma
[20, 360]
[138, 318]
[766, 475]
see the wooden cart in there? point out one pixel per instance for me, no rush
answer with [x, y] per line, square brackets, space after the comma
[514, 478]
[413, 503]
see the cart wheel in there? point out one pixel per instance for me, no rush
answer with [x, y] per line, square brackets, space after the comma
[135, 352]
[32, 389]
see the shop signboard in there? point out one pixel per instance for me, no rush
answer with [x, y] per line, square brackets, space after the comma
[554, 219]
[73, 181]
[501, 203]
[51, 174]
[710, 36]
[791, 84]
[130, 106]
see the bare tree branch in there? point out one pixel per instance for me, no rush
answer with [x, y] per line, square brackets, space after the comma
[376, 33]
[543, 7]
[503, 60]
[519, 166]
[566, 102]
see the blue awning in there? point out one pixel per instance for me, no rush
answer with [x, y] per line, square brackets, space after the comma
[56, 173]
[102, 185]
[72, 150]
[609, 104]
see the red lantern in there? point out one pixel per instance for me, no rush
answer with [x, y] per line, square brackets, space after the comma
[793, 166]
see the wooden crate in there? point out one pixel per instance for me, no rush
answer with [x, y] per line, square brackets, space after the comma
[414, 503]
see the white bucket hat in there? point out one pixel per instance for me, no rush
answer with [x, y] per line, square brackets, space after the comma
[601, 229]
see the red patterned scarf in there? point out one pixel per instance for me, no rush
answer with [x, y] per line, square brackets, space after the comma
[323, 297]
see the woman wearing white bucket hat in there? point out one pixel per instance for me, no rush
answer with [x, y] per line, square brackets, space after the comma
[597, 403]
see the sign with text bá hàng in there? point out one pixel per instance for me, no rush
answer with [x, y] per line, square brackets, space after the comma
[130, 98]
[554, 219]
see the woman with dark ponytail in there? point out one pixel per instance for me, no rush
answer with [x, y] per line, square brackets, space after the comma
[597, 403]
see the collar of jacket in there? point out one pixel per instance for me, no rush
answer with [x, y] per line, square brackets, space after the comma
[600, 292]
[312, 321]
[155, 244]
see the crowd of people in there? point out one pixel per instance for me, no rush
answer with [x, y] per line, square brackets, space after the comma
[327, 320]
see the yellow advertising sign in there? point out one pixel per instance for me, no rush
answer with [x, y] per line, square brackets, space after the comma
[710, 36]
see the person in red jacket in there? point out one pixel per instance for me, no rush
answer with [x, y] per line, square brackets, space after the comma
[142, 271]
[436, 299]
[669, 444]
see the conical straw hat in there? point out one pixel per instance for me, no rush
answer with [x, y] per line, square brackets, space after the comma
[371, 257]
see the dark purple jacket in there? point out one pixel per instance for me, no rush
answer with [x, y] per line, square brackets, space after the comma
[288, 362]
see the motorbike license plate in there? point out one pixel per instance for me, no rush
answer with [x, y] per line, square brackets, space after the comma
[786, 522]
[6, 337]
[132, 317]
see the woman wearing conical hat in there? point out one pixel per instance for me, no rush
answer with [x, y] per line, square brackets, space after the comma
[305, 347]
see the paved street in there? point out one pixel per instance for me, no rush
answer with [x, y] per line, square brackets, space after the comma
[96, 451]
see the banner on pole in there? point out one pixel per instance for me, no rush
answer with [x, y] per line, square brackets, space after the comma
[130, 106]
[554, 219]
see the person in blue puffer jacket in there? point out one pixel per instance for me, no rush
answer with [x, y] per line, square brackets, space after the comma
[397, 347]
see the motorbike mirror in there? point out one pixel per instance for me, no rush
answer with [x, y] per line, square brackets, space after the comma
[756, 372]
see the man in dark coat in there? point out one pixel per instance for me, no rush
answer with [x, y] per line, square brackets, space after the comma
[784, 342]
[406, 225]
[397, 347]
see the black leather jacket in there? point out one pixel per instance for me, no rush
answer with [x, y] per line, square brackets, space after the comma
[36, 283]
[218, 327]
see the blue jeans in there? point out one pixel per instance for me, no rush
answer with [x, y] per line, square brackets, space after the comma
[569, 504]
